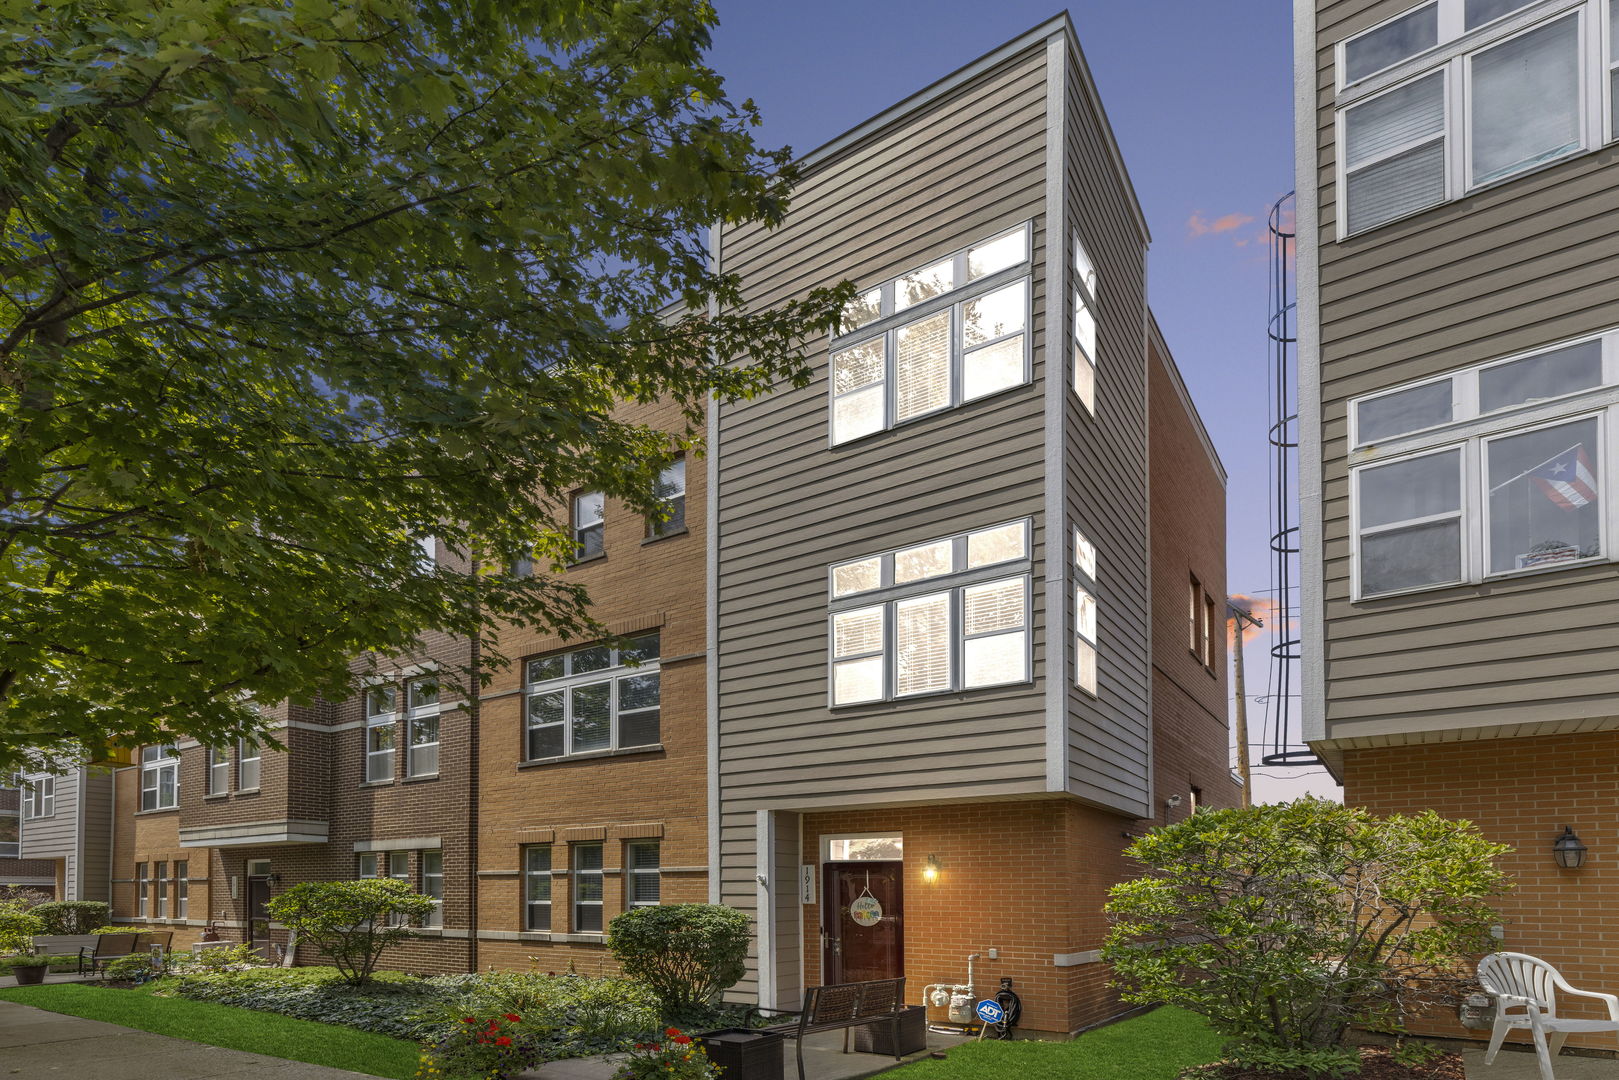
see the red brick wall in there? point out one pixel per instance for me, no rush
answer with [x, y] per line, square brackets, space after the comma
[1522, 791]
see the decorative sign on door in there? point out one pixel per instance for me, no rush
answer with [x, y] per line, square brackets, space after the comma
[866, 909]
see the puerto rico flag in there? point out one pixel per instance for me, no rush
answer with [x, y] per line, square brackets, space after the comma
[1567, 479]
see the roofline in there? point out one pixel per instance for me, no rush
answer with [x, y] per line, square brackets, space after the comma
[1174, 370]
[1057, 24]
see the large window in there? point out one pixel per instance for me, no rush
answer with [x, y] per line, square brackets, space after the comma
[587, 888]
[39, 797]
[433, 886]
[923, 633]
[671, 492]
[1083, 332]
[160, 777]
[592, 699]
[423, 722]
[642, 883]
[247, 770]
[380, 705]
[1467, 108]
[1494, 470]
[949, 333]
[537, 887]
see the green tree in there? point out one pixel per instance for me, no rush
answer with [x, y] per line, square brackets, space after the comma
[1286, 925]
[686, 954]
[350, 921]
[285, 288]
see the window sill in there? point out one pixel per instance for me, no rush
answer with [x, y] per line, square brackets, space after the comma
[159, 810]
[216, 796]
[418, 779]
[664, 536]
[587, 560]
[946, 410]
[375, 783]
[592, 755]
[248, 791]
[931, 695]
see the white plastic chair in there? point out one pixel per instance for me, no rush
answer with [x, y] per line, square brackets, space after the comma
[1525, 982]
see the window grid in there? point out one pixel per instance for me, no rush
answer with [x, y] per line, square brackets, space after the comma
[423, 727]
[1082, 334]
[160, 886]
[380, 703]
[160, 777]
[143, 889]
[432, 864]
[591, 699]
[39, 798]
[1085, 615]
[643, 882]
[587, 888]
[537, 887]
[182, 889]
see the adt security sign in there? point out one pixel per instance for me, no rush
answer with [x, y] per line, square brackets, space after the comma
[990, 1013]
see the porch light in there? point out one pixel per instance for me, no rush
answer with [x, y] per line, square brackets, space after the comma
[1567, 850]
[930, 872]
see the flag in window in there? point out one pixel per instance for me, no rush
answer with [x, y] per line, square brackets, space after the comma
[1567, 479]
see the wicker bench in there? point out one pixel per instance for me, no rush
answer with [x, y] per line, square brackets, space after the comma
[844, 1006]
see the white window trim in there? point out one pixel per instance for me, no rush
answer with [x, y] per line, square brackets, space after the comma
[214, 767]
[890, 834]
[1452, 56]
[435, 918]
[143, 887]
[39, 798]
[415, 714]
[632, 872]
[576, 876]
[182, 889]
[613, 674]
[156, 767]
[243, 759]
[1605, 528]
[390, 720]
[548, 874]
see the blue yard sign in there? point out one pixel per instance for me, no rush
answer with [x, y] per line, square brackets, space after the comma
[990, 1013]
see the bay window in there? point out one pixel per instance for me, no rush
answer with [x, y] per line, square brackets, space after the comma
[598, 698]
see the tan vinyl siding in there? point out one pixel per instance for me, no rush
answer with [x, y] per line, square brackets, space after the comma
[1526, 263]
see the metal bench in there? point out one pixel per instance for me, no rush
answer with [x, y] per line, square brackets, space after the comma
[843, 1006]
[107, 947]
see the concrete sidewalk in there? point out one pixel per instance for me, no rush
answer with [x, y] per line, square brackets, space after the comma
[1519, 1063]
[823, 1060]
[36, 1043]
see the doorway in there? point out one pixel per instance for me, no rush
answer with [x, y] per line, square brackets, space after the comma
[862, 920]
[258, 895]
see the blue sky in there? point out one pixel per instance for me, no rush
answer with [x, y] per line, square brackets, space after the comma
[1200, 97]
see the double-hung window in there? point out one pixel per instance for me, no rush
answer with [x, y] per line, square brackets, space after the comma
[423, 723]
[160, 777]
[143, 891]
[587, 888]
[218, 770]
[1083, 331]
[1085, 632]
[943, 615]
[589, 524]
[380, 721]
[1494, 470]
[1452, 95]
[537, 887]
[182, 889]
[161, 884]
[39, 797]
[597, 698]
[433, 886]
[671, 493]
[951, 332]
[399, 870]
[368, 865]
[642, 883]
[248, 754]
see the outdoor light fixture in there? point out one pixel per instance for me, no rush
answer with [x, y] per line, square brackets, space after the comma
[1567, 850]
[930, 872]
[274, 879]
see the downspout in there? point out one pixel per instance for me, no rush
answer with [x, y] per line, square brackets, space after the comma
[474, 711]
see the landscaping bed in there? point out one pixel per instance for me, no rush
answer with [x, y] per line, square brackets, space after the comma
[1376, 1063]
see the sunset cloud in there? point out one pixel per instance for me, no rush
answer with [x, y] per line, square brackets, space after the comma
[1198, 225]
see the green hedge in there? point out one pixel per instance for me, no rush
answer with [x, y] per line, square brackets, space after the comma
[73, 916]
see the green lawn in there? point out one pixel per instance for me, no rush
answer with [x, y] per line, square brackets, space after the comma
[221, 1025]
[1155, 1046]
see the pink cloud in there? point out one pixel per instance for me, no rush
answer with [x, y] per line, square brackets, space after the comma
[1198, 225]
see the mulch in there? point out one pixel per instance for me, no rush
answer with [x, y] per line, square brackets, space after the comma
[1376, 1064]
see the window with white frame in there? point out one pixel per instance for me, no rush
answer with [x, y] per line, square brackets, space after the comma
[1083, 331]
[537, 887]
[433, 886]
[368, 865]
[1085, 633]
[218, 770]
[671, 493]
[924, 633]
[10, 834]
[1484, 90]
[182, 889]
[1502, 470]
[589, 524]
[597, 698]
[932, 339]
[1194, 610]
[161, 884]
[422, 723]
[642, 881]
[380, 720]
[587, 888]
[160, 777]
[39, 797]
[248, 755]
[426, 552]
[143, 891]
[399, 870]
[1613, 69]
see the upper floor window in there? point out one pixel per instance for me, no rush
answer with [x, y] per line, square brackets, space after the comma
[589, 524]
[422, 722]
[1085, 633]
[671, 493]
[642, 883]
[248, 755]
[593, 699]
[934, 338]
[426, 552]
[10, 834]
[1083, 332]
[380, 703]
[39, 797]
[1494, 97]
[922, 635]
[1508, 475]
[160, 777]
[218, 770]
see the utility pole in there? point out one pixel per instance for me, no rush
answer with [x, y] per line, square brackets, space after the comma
[1239, 619]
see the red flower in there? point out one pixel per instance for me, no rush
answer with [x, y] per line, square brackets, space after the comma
[682, 1039]
[504, 1040]
[514, 1018]
[672, 1031]
[468, 1020]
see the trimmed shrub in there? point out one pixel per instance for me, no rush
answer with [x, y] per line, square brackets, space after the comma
[73, 916]
[18, 925]
[351, 921]
[686, 953]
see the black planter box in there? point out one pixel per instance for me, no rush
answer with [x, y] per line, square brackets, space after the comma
[878, 1038]
[743, 1053]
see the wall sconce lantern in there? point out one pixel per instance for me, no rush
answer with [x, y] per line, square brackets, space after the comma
[1567, 850]
[930, 872]
[275, 879]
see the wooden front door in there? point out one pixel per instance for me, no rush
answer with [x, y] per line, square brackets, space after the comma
[258, 919]
[862, 940]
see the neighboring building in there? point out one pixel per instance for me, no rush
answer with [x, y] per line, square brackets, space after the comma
[1459, 388]
[66, 833]
[36, 874]
[934, 615]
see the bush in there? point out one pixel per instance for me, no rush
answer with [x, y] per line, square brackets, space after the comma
[350, 921]
[498, 1047]
[12, 963]
[673, 1057]
[18, 925]
[73, 916]
[1286, 925]
[22, 894]
[134, 968]
[686, 953]
[388, 1004]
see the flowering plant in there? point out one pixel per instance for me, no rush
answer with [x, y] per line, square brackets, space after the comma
[675, 1057]
[492, 1049]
